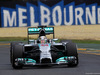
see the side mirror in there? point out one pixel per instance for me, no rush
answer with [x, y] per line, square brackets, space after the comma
[31, 40]
[55, 39]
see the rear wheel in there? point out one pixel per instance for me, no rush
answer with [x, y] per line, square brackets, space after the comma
[72, 51]
[17, 52]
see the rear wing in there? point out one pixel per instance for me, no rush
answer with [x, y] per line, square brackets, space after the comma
[36, 30]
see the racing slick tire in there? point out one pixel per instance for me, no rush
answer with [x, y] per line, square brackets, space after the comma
[17, 52]
[11, 47]
[72, 51]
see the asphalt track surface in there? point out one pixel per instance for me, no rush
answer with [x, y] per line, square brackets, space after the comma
[88, 65]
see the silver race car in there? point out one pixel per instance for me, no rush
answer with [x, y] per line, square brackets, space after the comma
[43, 51]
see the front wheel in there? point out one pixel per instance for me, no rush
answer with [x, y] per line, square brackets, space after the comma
[72, 51]
[17, 52]
[11, 48]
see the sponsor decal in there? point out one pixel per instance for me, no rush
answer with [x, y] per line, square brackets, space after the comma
[44, 44]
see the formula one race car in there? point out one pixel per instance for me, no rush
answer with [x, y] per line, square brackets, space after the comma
[43, 51]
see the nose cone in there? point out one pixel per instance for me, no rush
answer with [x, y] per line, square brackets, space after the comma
[46, 60]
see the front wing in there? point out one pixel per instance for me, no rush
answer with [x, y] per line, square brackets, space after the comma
[60, 61]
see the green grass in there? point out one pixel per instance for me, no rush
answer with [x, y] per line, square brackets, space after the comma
[25, 39]
[87, 41]
[13, 39]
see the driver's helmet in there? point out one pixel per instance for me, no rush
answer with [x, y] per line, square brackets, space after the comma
[43, 39]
